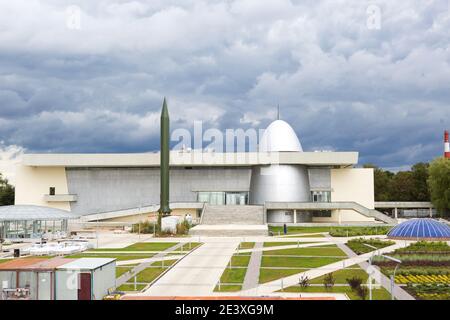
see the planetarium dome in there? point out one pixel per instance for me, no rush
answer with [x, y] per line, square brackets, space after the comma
[279, 136]
[279, 182]
[420, 229]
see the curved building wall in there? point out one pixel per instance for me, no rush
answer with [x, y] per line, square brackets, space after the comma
[279, 183]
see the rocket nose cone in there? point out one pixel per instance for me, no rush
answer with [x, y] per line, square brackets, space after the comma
[164, 111]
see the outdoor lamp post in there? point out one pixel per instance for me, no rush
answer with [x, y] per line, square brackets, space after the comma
[371, 269]
[393, 275]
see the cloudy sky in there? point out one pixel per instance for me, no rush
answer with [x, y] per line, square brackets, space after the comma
[345, 77]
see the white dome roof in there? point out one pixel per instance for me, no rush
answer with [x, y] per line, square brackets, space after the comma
[279, 136]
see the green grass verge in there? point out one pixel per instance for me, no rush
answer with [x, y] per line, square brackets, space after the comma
[309, 251]
[266, 275]
[228, 288]
[377, 294]
[233, 275]
[340, 276]
[339, 231]
[293, 262]
[307, 236]
[277, 244]
[130, 287]
[142, 246]
[275, 229]
[150, 274]
[246, 245]
[118, 256]
[359, 246]
[122, 270]
[240, 260]
[4, 260]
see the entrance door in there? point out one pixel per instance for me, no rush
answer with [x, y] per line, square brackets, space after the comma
[84, 288]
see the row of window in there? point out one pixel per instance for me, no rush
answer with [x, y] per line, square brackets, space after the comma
[241, 198]
[223, 198]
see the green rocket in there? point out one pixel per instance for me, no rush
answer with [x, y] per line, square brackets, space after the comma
[164, 209]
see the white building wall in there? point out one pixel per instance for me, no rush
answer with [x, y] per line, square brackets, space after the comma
[32, 183]
[104, 278]
[353, 185]
[66, 284]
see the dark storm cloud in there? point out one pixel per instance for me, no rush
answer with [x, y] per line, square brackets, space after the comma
[341, 86]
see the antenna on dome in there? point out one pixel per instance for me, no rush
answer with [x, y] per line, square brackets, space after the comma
[278, 114]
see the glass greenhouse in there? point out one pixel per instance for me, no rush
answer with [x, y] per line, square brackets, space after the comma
[28, 222]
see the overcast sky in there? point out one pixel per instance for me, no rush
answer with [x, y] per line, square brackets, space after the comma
[343, 82]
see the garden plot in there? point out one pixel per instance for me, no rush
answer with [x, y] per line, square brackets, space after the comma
[424, 271]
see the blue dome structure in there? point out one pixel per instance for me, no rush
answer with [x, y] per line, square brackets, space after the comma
[420, 229]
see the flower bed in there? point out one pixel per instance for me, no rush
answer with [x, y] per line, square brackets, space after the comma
[422, 279]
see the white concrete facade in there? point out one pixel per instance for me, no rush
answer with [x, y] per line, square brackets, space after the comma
[110, 184]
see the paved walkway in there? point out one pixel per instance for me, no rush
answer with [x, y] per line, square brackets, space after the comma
[196, 274]
[251, 279]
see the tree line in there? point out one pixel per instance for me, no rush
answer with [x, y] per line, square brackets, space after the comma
[423, 182]
[6, 192]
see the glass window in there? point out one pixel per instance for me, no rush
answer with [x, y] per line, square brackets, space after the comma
[216, 198]
[320, 196]
[322, 214]
[222, 198]
[240, 198]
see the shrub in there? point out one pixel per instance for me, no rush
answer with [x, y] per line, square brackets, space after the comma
[304, 282]
[362, 292]
[183, 227]
[359, 231]
[145, 227]
[328, 281]
[354, 282]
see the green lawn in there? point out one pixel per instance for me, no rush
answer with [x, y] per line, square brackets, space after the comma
[130, 287]
[150, 274]
[340, 231]
[277, 244]
[299, 229]
[294, 262]
[4, 260]
[122, 270]
[142, 246]
[340, 276]
[307, 236]
[240, 260]
[246, 245]
[118, 256]
[378, 294]
[360, 246]
[228, 288]
[266, 275]
[309, 251]
[233, 275]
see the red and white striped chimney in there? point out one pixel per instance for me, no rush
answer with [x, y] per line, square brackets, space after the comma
[446, 145]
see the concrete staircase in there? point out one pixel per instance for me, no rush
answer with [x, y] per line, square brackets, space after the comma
[231, 221]
[233, 214]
